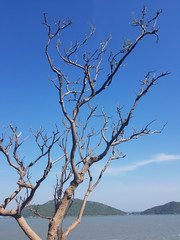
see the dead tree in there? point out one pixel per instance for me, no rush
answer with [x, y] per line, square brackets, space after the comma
[83, 142]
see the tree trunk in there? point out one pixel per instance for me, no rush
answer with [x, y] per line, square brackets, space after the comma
[56, 220]
[59, 214]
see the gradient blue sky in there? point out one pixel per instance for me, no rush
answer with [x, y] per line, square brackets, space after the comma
[149, 175]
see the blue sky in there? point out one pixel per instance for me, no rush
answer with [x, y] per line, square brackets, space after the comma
[149, 175]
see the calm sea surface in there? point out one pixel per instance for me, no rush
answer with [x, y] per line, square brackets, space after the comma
[153, 227]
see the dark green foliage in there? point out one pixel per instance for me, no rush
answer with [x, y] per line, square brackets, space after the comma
[46, 210]
[168, 208]
[94, 209]
[91, 209]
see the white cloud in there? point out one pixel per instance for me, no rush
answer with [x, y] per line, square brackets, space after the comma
[157, 159]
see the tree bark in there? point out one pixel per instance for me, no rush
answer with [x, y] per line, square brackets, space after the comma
[27, 229]
[56, 220]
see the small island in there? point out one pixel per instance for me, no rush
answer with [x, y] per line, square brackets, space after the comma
[168, 208]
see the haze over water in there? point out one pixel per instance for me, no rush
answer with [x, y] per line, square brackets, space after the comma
[136, 227]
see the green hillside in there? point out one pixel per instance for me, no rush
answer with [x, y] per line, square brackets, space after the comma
[168, 208]
[91, 209]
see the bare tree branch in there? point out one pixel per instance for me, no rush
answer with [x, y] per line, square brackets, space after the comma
[88, 135]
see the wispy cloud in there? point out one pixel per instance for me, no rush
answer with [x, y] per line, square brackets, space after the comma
[159, 158]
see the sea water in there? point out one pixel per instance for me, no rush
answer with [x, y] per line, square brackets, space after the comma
[132, 227]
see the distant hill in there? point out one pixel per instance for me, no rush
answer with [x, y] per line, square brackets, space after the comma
[168, 208]
[91, 209]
